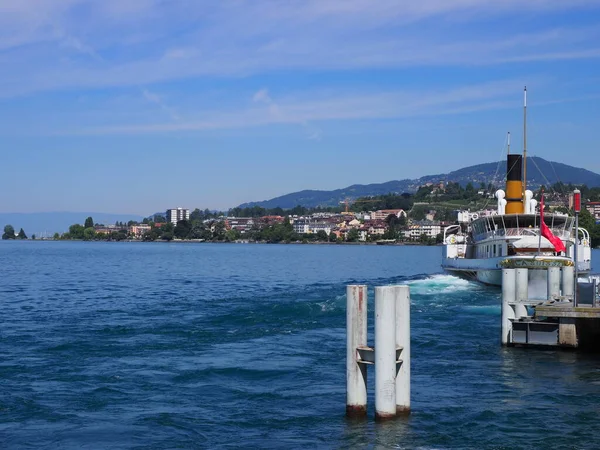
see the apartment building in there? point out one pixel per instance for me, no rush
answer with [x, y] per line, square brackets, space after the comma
[177, 214]
[594, 209]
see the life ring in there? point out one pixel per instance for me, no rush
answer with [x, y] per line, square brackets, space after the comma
[452, 239]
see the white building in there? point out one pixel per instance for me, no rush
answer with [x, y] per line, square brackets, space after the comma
[430, 229]
[307, 226]
[177, 214]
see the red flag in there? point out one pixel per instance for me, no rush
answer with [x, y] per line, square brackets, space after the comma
[554, 240]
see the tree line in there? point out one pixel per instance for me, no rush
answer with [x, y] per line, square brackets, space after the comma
[9, 233]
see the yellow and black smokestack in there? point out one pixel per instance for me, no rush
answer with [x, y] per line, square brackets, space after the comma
[514, 185]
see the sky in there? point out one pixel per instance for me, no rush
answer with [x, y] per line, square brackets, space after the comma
[141, 105]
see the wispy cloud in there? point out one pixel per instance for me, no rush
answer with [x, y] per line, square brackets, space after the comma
[156, 99]
[279, 116]
[144, 42]
[307, 108]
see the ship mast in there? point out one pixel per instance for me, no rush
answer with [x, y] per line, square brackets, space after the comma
[524, 141]
[508, 142]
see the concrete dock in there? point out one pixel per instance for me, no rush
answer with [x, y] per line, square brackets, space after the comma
[565, 321]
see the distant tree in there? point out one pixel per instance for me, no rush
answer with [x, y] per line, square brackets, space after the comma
[352, 235]
[418, 212]
[322, 236]
[288, 225]
[33, 237]
[196, 215]
[9, 232]
[232, 235]
[182, 229]
[151, 235]
[76, 231]
[89, 233]
[426, 240]
[56, 236]
[159, 218]
[89, 223]
[198, 231]
[21, 234]
[332, 237]
[167, 236]
[219, 233]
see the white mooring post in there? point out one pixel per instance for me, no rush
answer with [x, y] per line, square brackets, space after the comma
[568, 282]
[553, 283]
[509, 297]
[385, 352]
[522, 292]
[403, 348]
[356, 336]
[390, 356]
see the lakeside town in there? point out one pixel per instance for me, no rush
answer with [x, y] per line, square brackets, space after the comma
[419, 218]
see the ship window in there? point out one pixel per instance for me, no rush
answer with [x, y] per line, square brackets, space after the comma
[494, 249]
[500, 250]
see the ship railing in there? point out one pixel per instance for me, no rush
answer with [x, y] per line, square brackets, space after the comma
[514, 232]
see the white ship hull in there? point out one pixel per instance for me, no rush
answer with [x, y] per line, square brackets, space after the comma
[489, 270]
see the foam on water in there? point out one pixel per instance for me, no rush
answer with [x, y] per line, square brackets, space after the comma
[439, 284]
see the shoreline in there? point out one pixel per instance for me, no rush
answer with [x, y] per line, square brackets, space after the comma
[194, 241]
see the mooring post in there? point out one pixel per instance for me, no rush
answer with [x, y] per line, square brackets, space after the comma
[403, 345]
[553, 283]
[522, 292]
[356, 336]
[568, 282]
[385, 352]
[509, 297]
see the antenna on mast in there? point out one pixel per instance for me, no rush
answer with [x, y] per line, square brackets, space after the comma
[508, 142]
[524, 141]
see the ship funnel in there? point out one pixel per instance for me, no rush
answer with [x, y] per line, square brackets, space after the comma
[514, 185]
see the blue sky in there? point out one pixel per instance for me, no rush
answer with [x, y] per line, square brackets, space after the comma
[140, 105]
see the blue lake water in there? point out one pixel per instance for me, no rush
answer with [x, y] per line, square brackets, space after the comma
[134, 345]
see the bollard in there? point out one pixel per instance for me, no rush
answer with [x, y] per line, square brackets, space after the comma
[356, 336]
[403, 342]
[385, 352]
[522, 292]
[568, 282]
[508, 299]
[553, 283]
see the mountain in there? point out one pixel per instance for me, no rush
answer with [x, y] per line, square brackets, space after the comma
[48, 223]
[539, 171]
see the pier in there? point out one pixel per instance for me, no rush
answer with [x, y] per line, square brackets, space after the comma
[569, 317]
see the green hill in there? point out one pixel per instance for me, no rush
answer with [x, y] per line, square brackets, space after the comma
[539, 171]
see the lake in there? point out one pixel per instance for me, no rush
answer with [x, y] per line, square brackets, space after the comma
[156, 345]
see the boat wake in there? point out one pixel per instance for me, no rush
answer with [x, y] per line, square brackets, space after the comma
[440, 284]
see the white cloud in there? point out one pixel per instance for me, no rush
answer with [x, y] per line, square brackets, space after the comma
[143, 42]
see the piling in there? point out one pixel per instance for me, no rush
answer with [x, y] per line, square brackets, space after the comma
[522, 292]
[568, 282]
[553, 283]
[508, 299]
[403, 345]
[356, 336]
[385, 352]
[390, 356]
